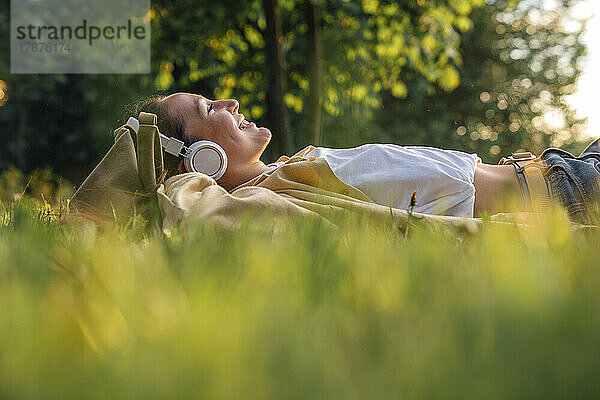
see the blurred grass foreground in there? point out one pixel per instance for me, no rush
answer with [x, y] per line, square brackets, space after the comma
[303, 313]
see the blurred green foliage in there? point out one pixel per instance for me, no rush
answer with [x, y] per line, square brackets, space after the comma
[42, 184]
[303, 313]
[368, 46]
[468, 75]
[518, 67]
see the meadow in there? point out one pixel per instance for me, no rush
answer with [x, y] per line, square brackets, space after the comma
[305, 312]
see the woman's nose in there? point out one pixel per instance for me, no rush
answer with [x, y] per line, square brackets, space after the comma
[230, 105]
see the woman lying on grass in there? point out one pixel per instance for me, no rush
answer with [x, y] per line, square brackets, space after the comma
[448, 182]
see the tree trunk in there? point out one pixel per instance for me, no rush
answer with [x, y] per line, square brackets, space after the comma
[315, 75]
[276, 110]
[22, 136]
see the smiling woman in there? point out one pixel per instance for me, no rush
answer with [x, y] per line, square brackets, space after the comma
[448, 182]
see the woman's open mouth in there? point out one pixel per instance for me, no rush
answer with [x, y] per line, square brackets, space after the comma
[244, 124]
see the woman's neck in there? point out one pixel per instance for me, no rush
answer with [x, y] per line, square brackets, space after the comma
[237, 174]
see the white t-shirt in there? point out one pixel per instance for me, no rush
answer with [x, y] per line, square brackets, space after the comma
[389, 174]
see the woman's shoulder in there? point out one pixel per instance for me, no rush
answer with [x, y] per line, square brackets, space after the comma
[302, 153]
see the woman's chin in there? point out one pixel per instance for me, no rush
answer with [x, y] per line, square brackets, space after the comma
[264, 131]
[253, 129]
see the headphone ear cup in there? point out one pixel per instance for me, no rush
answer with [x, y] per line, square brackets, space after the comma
[206, 157]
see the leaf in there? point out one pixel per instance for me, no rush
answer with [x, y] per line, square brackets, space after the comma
[449, 78]
[399, 89]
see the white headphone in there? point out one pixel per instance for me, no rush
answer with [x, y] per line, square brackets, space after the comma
[203, 156]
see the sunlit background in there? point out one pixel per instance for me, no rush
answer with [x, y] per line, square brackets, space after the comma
[585, 100]
[489, 77]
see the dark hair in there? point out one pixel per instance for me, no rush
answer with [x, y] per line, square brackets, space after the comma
[169, 124]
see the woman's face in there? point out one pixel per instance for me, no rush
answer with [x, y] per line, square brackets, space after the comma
[220, 122]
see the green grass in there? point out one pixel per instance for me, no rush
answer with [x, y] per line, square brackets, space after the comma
[307, 312]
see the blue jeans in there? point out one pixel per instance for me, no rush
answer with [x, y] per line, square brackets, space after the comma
[574, 181]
